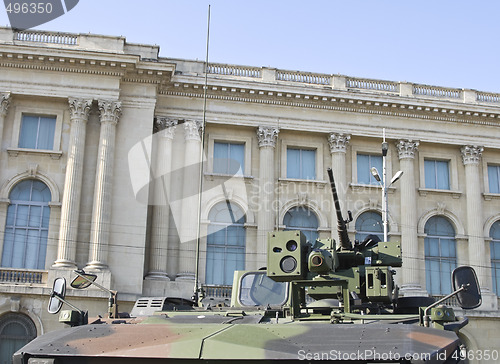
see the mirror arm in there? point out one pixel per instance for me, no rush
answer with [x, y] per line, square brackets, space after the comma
[55, 295]
[426, 311]
[113, 303]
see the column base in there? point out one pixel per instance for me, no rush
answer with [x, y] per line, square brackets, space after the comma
[157, 276]
[412, 290]
[95, 265]
[185, 276]
[64, 264]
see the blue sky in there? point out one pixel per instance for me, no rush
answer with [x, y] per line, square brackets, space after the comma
[450, 43]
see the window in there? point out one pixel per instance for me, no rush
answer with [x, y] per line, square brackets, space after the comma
[440, 255]
[27, 226]
[303, 219]
[300, 163]
[369, 223]
[37, 132]
[229, 158]
[16, 330]
[365, 162]
[495, 256]
[437, 174]
[226, 242]
[494, 178]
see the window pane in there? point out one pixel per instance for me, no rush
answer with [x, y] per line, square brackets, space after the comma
[46, 133]
[443, 175]
[363, 162]
[308, 164]
[237, 161]
[494, 179]
[221, 155]
[430, 174]
[293, 163]
[29, 132]
[375, 161]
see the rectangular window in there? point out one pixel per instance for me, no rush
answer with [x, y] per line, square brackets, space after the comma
[300, 163]
[437, 174]
[365, 163]
[494, 179]
[37, 132]
[229, 158]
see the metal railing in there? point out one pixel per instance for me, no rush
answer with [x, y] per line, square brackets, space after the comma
[452, 301]
[23, 276]
[217, 291]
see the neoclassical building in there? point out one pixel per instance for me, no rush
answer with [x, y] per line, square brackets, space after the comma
[120, 162]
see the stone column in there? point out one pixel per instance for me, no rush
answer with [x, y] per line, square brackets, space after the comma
[266, 217]
[188, 231]
[338, 148]
[477, 252]
[165, 130]
[110, 112]
[70, 209]
[409, 220]
[4, 106]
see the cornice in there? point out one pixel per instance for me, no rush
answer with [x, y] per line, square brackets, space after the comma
[344, 101]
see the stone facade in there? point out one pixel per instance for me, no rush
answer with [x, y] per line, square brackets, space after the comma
[123, 173]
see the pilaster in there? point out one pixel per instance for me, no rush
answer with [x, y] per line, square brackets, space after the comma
[4, 107]
[109, 112]
[70, 209]
[471, 156]
[267, 137]
[409, 220]
[193, 130]
[165, 131]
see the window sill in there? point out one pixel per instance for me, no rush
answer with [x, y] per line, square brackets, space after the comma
[212, 176]
[491, 196]
[318, 183]
[424, 191]
[54, 154]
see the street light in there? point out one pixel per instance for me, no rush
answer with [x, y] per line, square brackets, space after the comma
[383, 184]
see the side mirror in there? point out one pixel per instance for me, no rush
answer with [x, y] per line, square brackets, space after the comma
[470, 296]
[57, 295]
[83, 280]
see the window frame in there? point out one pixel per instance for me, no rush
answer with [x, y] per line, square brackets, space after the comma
[19, 112]
[231, 139]
[371, 150]
[495, 262]
[488, 164]
[301, 174]
[306, 145]
[453, 170]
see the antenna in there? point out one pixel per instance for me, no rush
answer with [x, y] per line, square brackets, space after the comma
[202, 149]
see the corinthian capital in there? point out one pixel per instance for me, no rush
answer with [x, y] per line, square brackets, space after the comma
[407, 148]
[165, 126]
[79, 108]
[338, 142]
[4, 103]
[267, 136]
[110, 111]
[471, 154]
[193, 130]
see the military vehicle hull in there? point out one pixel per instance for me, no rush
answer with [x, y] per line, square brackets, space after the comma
[215, 338]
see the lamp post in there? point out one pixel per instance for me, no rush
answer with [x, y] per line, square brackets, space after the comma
[385, 187]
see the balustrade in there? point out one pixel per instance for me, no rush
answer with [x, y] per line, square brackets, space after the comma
[230, 70]
[433, 91]
[22, 276]
[375, 85]
[46, 37]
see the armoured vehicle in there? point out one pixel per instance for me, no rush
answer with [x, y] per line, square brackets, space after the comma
[315, 301]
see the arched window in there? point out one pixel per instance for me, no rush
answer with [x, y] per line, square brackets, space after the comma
[226, 242]
[369, 223]
[495, 256]
[303, 219]
[27, 226]
[16, 330]
[440, 255]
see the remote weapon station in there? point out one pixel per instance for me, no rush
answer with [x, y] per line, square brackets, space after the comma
[321, 300]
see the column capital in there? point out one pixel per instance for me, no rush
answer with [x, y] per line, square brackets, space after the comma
[110, 111]
[165, 125]
[407, 148]
[471, 154]
[338, 142]
[267, 136]
[79, 108]
[4, 103]
[193, 130]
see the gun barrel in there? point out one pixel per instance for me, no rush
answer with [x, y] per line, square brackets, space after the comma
[341, 225]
